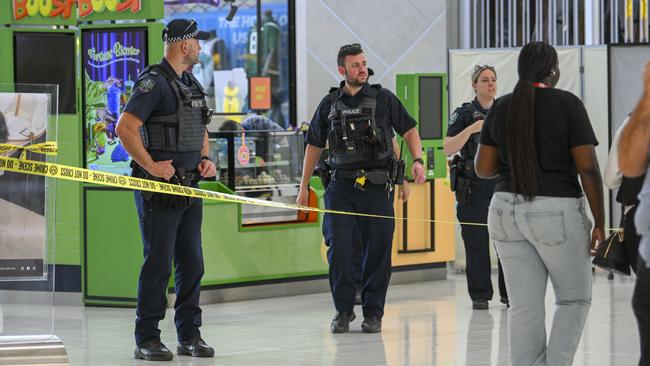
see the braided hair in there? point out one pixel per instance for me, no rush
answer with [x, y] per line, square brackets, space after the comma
[537, 62]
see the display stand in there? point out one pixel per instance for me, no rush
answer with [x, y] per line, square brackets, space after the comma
[28, 116]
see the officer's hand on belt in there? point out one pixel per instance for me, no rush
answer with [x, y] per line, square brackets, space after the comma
[418, 172]
[206, 168]
[161, 169]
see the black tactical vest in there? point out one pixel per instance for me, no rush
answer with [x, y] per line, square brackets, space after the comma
[184, 130]
[354, 138]
[468, 151]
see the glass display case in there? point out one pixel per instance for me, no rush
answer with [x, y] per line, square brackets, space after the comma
[261, 164]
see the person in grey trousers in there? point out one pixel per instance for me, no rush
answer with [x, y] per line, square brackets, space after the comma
[538, 139]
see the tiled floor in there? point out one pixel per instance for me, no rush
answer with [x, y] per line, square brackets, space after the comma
[428, 323]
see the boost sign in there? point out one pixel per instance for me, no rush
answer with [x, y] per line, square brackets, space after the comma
[63, 8]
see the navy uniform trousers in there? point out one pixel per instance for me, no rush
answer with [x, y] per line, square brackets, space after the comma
[343, 233]
[169, 234]
[476, 239]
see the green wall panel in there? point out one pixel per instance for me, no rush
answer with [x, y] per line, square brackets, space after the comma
[68, 203]
[6, 56]
[114, 250]
[407, 90]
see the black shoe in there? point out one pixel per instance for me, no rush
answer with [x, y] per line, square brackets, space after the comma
[480, 304]
[341, 322]
[505, 301]
[371, 324]
[357, 298]
[195, 348]
[153, 350]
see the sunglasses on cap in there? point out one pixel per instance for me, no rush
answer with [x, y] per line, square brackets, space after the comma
[478, 69]
[192, 23]
[350, 47]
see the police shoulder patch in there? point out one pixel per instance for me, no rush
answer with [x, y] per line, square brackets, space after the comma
[146, 85]
[453, 118]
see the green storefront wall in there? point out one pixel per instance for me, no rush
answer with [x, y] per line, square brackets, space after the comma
[97, 228]
[232, 254]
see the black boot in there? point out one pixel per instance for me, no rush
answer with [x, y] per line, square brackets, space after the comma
[371, 324]
[153, 350]
[341, 322]
[480, 304]
[196, 347]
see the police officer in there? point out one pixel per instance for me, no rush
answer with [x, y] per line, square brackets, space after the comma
[357, 120]
[163, 129]
[472, 193]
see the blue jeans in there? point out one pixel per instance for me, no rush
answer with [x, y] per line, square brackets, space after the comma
[535, 240]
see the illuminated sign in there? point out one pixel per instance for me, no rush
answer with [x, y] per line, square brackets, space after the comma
[63, 8]
[87, 7]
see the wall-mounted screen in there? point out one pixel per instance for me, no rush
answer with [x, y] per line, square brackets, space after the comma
[112, 61]
[35, 63]
[430, 119]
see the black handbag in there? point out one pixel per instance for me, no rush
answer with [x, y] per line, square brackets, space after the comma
[610, 254]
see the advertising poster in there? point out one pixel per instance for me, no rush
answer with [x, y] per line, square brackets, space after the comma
[229, 58]
[112, 61]
[23, 121]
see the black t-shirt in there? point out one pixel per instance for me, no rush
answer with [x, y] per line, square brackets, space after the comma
[153, 96]
[389, 113]
[561, 123]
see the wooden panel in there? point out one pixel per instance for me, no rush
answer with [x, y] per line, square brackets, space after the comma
[419, 206]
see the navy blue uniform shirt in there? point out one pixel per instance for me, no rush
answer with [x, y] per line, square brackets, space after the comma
[389, 113]
[463, 118]
[154, 96]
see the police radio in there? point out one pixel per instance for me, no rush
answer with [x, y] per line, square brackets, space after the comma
[206, 114]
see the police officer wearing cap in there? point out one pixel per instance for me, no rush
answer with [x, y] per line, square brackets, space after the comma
[357, 120]
[163, 128]
[473, 194]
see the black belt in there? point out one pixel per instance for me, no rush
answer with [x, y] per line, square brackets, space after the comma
[187, 178]
[182, 177]
[374, 176]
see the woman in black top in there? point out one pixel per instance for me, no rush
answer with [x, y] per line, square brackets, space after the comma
[472, 193]
[537, 140]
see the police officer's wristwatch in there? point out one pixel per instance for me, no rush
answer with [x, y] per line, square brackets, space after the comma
[206, 157]
[418, 160]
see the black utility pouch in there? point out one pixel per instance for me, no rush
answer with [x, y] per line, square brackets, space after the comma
[324, 173]
[399, 172]
[454, 172]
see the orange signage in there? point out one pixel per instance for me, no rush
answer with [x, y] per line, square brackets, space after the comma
[63, 8]
[260, 93]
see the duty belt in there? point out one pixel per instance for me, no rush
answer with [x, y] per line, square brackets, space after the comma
[360, 176]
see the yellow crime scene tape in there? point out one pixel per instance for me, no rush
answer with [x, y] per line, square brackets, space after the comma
[45, 148]
[66, 172]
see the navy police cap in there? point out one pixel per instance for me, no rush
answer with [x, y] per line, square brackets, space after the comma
[181, 29]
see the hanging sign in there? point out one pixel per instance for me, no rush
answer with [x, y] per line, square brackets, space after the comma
[260, 92]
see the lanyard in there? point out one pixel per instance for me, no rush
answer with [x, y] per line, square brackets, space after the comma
[540, 85]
